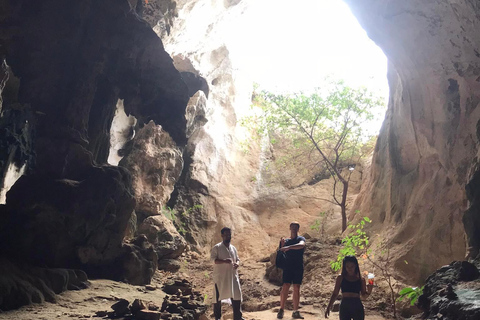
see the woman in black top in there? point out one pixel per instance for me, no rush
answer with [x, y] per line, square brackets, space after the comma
[352, 285]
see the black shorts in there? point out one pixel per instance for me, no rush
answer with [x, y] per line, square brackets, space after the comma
[351, 308]
[293, 275]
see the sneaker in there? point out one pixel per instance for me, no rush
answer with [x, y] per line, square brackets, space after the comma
[280, 314]
[297, 315]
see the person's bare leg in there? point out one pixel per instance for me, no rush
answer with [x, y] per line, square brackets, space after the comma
[284, 295]
[296, 296]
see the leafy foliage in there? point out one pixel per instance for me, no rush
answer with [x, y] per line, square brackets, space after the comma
[357, 240]
[171, 214]
[324, 131]
[316, 225]
[332, 118]
[411, 294]
[319, 225]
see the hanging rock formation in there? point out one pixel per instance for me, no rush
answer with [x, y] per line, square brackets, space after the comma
[155, 162]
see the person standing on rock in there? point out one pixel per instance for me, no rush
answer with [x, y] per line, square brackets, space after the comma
[225, 276]
[353, 286]
[294, 247]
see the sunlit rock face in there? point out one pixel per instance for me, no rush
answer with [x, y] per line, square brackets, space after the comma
[72, 62]
[155, 163]
[427, 151]
[217, 175]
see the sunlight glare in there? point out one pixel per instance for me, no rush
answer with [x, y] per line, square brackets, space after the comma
[289, 45]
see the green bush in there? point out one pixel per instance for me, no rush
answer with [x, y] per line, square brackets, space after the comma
[357, 240]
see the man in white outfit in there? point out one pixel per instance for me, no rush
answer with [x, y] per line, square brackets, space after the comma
[225, 275]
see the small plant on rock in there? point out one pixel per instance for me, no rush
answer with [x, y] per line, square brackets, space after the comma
[180, 225]
[319, 224]
[316, 225]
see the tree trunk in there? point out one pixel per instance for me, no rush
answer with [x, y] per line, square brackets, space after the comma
[343, 205]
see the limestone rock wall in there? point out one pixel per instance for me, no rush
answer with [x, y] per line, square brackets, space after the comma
[415, 191]
[427, 149]
[217, 175]
[15, 131]
[155, 163]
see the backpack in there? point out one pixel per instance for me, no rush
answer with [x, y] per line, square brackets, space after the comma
[281, 260]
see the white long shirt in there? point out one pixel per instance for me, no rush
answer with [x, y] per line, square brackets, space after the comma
[225, 276]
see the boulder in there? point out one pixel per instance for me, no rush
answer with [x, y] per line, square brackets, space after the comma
[161, 232]
[452, 292]
[139, 262]
[182, 301]
[147, 315]
[170, 265]
[120, 308]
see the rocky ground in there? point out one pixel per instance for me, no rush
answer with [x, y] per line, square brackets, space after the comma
[261, 297]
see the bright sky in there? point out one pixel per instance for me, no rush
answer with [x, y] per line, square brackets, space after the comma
[292, 45]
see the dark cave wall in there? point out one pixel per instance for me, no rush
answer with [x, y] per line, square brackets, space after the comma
[83, 56]
[74, 60]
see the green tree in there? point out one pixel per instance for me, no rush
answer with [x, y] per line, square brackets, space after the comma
[328, 124]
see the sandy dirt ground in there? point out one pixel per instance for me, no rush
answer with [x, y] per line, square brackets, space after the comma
[85, 304]
[261, 298]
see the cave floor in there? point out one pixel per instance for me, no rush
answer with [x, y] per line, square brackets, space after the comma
[261, 298]
[84, 304]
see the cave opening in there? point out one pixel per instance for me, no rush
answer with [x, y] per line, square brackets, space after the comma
[303, 48]
[285, 47]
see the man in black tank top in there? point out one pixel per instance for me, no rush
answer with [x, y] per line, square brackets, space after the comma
[294, 247]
